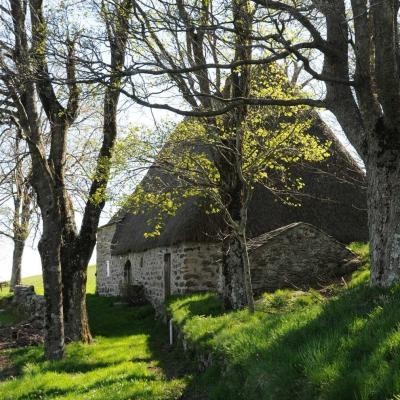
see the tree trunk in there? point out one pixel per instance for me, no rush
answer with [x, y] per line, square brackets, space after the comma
[76, 323]
[49, 249]
[79, 247]
[19, 245]
[231, 191]
[234, 292]
[74, 277]
[234, 191]
[383, 176]
[247, 272]
[237, 291]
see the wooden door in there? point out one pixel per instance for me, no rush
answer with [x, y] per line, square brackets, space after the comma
[167, 275]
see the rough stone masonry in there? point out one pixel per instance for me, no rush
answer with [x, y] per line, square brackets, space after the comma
[31, 304]
[298, 255]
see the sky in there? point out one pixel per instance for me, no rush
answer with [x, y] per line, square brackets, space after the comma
[30, 263]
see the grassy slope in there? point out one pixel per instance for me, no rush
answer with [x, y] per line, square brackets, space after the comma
[7, 316]
[38, 282]
[300, 346]
[125, 361]
[296, 346]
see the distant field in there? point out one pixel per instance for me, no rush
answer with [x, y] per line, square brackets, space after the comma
[37, 282]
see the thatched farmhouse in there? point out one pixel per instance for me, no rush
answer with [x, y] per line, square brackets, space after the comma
[185, 256]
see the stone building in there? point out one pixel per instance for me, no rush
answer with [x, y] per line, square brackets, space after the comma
[298, 255]
[185, 256]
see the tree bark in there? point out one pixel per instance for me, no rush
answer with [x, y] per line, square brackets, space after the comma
[237, 291]
[383, 174]
[76, 323]
[19, 245]
[50, 254]
[247, 271]
[234, 190]
[234, 292]
[78, 248]
[22, 219]
[23, 93]
[74, 261]
[49, 249]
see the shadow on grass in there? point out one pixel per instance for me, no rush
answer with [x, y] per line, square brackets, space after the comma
[345, 348]
[128, 351]
[174, 363]
[109, 317]
[40, 393]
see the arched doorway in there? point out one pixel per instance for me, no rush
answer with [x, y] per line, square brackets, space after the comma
[128, 273]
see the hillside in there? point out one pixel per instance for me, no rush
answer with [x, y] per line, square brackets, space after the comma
[37, 281]
[342, 342]
[8, 316]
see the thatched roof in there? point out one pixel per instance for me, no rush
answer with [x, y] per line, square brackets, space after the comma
[334, 200]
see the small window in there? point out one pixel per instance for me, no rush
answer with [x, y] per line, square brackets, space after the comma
[108, 268]
[141, 262]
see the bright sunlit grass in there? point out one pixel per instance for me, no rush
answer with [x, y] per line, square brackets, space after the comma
[37, 281]
[299, 345]
[124, 362]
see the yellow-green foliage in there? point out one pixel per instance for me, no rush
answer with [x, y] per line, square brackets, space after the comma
[273, 139]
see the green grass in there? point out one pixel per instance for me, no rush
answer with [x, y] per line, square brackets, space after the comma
[8, 316]
[37, 281]
[126, 361]
[299, 345]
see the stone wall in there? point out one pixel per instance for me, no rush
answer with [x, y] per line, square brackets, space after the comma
[31, 304]
[297, 256]
[301, 256]
[194, 267]
[105, 284]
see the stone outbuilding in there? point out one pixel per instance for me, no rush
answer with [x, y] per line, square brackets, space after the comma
[298, 256]
[185, 257]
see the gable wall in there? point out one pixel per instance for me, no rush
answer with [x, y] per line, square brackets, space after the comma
[301, 257]
[194, 267]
